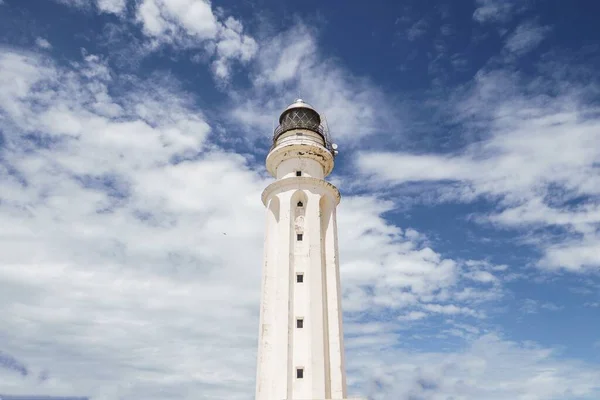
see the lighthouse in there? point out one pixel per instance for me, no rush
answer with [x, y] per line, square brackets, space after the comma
[301, 348]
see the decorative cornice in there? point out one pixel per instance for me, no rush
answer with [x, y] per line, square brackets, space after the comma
[299, 182]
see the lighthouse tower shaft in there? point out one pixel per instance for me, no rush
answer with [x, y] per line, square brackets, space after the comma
[301, 350]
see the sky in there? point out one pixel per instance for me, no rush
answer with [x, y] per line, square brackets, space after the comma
[133, 135]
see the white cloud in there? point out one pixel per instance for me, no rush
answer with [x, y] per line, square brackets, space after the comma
[183, 25]
[449, 309]
[540, 154]
[489, 368]
[573, 254]
[413, 316]
[150, 15]
[77, 3]
[417, 30]
[232, 45]
[165, 19]
[116, 263]
[111, 6]
[43, 43]
[118, 233]
[192, 24]
[131, 248]
[493, 10]
[526, 37]
[387, 268]
[290, 65]
[104, 6]
[281, 58]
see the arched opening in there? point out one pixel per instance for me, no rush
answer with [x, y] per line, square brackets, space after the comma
[299, 201]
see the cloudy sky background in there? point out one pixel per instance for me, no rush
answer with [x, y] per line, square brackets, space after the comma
[132, 144]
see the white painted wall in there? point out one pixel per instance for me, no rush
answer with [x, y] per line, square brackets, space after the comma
[308, 167]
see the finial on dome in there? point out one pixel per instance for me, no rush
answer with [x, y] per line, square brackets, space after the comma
[297, 104]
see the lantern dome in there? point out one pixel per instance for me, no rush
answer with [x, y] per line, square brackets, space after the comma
[299, 115]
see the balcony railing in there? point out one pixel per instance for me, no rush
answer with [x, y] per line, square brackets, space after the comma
[320, 129]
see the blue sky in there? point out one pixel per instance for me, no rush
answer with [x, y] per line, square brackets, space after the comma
[133, 135]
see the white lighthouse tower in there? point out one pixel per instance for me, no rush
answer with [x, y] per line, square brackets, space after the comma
[301, 349]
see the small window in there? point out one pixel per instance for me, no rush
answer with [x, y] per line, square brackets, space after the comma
[299, 237]
[299, 323]
[300, 278]
[300, 373]
[298, 173]
[300, 204]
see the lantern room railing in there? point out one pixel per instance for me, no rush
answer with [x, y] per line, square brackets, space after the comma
[321, 129]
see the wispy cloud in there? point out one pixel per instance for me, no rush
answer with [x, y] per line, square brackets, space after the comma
[526, 37]
[43, 43]
[490, 368]
[104, 6]
[417, 29]
[290, 64]
[538, 162]
[531, 306]
[496, 11]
